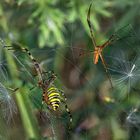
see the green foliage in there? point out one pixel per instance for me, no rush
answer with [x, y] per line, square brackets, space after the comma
[45, 21]
[47, 28]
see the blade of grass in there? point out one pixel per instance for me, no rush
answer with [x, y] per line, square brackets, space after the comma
[27, 116]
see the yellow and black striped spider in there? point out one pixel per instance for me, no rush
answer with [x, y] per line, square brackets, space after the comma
[51, 95]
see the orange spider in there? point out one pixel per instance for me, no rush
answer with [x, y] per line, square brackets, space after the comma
[98, 49]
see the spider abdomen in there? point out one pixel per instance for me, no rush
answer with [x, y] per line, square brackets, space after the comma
[53, 97]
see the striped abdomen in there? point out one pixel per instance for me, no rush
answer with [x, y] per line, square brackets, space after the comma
[53, 97]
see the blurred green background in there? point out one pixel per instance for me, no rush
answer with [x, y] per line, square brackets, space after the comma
[50, 29]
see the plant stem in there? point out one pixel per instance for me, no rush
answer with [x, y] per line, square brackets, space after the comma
[24, 105]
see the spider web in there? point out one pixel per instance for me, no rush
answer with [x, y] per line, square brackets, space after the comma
[83, 129]
[88, 93]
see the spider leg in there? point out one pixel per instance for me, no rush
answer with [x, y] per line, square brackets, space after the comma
[109, 41]
[50, 80]
[16, 47]
[33, 87]
[43, 101]
[90, 27]
[48, 72]
[63, 100]
[105, 67]
[36, 64]
[86, 53]
[14, 90]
